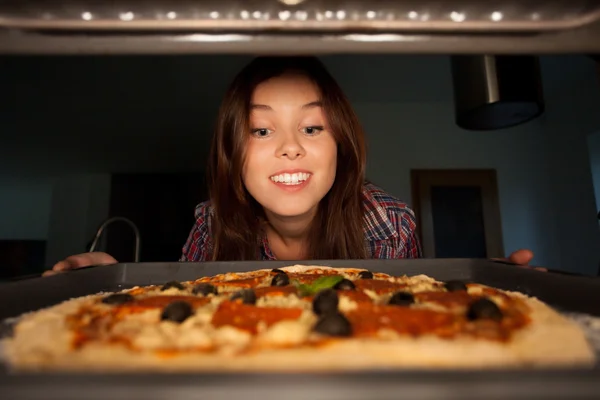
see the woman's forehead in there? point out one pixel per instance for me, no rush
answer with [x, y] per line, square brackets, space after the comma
[289, 88]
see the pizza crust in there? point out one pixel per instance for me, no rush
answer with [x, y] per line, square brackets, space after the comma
[41, 341]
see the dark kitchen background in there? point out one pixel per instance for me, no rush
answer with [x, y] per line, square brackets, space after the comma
[86, 138]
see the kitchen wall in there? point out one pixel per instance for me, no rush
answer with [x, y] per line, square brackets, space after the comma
[80, 203]
[25, 207]
[71, 122]
[594, 150]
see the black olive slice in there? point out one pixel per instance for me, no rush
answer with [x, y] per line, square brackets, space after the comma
[172, 284]
[484, 309]
[117, 299]
[333, 324]
[344, 284]
[178, 311]
[325, 302]
[365, 275]
[278, 271]
[402, 299]
[246, 295]
[455, 286]
[204, 289]
[280, 280]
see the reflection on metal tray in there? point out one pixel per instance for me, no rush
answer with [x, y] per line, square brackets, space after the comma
[299, 26]
[574, 294]
[294, 15]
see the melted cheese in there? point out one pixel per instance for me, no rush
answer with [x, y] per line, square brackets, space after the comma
[285, 333]
[346, 304]
[286, 301]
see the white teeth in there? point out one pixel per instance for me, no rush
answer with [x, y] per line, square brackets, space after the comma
[290, 179]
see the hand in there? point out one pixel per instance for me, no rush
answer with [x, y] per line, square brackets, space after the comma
[79, 261]
[522, 258]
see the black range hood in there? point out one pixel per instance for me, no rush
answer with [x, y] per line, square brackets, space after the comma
[496, 92]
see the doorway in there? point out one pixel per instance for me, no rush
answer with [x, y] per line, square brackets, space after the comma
[161, 205]
[593, 142]
[458, 213]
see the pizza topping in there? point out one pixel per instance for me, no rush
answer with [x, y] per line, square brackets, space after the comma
[344, 284]
[402, 299]
[146, 303]
[134, 291]
[346, 303]
[455, 286]
[448, 299]
[324, 282]
[274, 291]
[379, 286]
[170, 339]
[356, 295]
[177, 311]
[282, 300]
[484, 309]
[248, 317]
[172, 284]
[365, 275]
[281, 279]
[247, 296]
[285, 333]
[369, 319]
[325, 302]
[204, 289]
[278, 271]
[422, 283]
[118, 298]
[241, 283]
[309, 278]
[333, 324]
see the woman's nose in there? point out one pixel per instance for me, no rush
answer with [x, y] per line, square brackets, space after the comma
[290, 147]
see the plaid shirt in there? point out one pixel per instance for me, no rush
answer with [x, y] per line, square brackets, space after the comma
[389, 230]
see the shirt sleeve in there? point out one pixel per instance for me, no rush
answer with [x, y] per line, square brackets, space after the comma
[407, 243]
[198, 247]
[412, 249]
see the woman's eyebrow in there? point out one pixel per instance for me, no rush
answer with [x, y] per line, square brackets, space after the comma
[312, 104]
[260, 107]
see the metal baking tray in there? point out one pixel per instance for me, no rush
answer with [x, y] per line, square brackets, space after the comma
[569, 293]
[299, 26]
[299, 15]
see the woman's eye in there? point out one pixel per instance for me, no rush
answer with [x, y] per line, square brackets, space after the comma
[261, 132]
[312, 130]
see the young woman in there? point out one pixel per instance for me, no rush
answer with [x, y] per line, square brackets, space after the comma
[287, 177]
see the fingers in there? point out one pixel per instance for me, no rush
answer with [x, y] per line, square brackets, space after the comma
[50, 273]
[64, 265]
[521, 257]
[80, 261]
[102, 258]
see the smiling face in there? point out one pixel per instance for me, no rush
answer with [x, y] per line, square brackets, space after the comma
[291, 156]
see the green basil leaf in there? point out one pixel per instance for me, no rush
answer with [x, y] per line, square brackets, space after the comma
[324, 282]
[304, 290]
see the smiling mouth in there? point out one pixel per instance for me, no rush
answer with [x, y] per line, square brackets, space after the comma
[291, 179]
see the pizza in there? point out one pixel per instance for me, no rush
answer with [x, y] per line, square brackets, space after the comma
[298, 318]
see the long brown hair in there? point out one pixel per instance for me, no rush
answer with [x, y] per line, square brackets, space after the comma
[337, 230]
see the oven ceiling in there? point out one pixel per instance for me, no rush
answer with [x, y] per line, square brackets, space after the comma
[299, 26]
